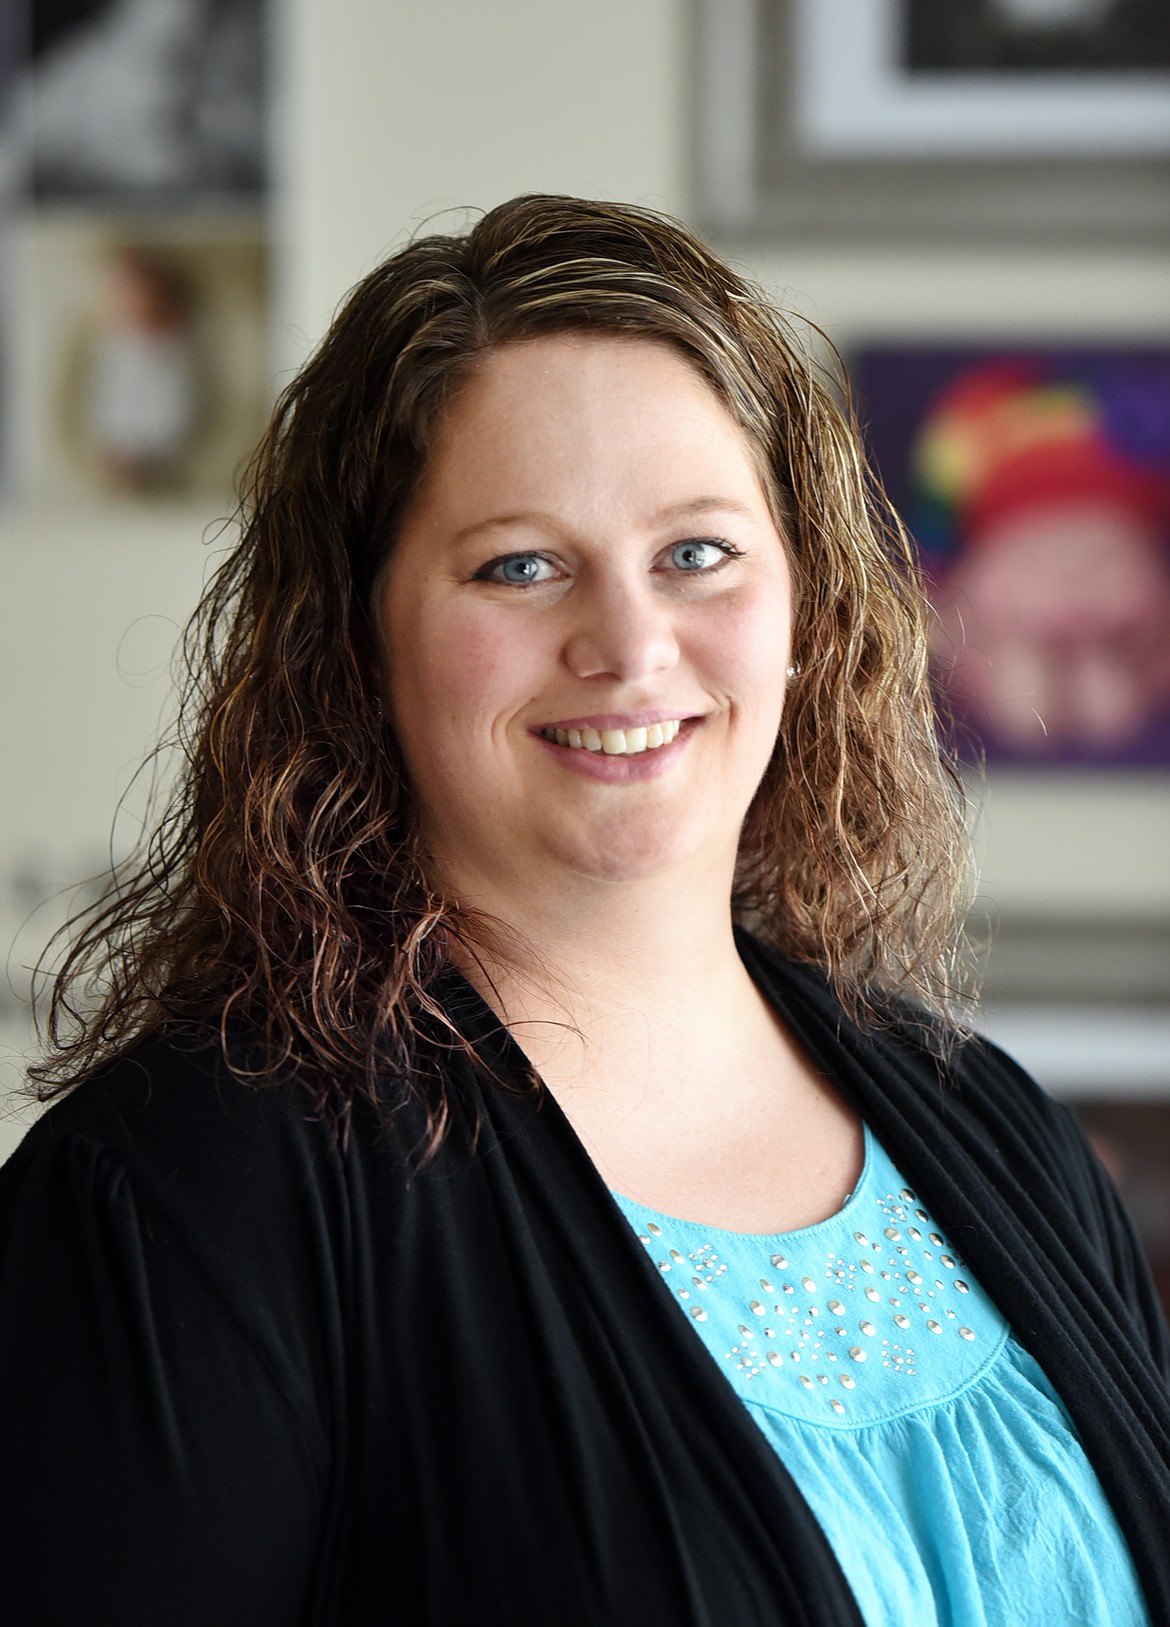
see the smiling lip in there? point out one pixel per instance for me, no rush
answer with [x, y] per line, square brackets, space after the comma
[630, 736]
[598, 761]
[617, 720]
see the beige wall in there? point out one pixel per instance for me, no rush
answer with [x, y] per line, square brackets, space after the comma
[89, 612]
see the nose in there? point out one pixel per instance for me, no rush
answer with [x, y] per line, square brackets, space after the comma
[621, 629]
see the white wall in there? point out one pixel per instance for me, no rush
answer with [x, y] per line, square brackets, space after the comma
[91, 606]
[399, 110]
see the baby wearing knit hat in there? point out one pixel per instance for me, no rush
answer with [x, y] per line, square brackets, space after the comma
[1044, 505]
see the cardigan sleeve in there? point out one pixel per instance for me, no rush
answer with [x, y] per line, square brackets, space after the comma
[153, 1466]
[1045, 1134]
[1116, 1237]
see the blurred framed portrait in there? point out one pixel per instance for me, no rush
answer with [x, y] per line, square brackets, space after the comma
[142, 100]
[7, 313]
[142, 364]
[919, 79]
[1036, 482]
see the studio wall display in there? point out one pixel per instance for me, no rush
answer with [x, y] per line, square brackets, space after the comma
[1037, 484]
[8, 46]
[1091, 37]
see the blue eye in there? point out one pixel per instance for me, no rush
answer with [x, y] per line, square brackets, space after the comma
[518, 570]
[698, 555]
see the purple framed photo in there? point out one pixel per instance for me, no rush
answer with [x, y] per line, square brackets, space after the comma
[1036, 481]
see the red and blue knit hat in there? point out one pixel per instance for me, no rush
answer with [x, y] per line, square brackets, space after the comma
[1011, 434]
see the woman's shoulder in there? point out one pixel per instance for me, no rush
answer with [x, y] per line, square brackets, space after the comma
[173, 1250]
[168, 1096]
[169, 1133]
[932, 1052]
[952, 1079]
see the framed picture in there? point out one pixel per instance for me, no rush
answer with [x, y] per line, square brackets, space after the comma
[1085, 37]
[838, 122]
[1036, 482]
[915, 79]
[132, 100]
[141, 365]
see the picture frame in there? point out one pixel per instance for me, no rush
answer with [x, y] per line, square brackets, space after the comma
[1035, 479]
[116, 104]
[757, 181]
[141, 365]
[859, 95]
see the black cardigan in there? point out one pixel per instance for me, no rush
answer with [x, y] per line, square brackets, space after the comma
[248, 1376]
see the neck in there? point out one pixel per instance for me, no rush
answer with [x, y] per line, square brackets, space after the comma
[617, 982]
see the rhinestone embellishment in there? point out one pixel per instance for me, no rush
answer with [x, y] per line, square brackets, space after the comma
[851, 1355]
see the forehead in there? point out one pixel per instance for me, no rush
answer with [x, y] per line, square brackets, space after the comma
[577, 370]
[563, 409]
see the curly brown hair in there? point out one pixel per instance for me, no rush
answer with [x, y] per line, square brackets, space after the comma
[282, 894]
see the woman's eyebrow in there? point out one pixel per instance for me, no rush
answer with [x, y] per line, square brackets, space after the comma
[529, 517]
[705, 505]
[691, 508]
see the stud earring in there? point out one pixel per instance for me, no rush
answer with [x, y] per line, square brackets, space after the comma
[794, 671]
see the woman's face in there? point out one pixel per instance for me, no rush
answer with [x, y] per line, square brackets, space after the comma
[585, 622]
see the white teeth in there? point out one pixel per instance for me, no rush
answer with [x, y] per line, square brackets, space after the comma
[618, 742]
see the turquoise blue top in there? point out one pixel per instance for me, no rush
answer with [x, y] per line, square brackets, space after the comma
[940, 1461]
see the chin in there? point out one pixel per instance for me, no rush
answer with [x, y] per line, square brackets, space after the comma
[631, 851]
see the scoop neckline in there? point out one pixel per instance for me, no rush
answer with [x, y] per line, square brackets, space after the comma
[851, 1202]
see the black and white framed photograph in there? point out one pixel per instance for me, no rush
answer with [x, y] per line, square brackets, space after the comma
[162, 101]
[9, 317]
[1089, 37]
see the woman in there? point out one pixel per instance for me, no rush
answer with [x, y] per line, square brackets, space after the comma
[445, 1142]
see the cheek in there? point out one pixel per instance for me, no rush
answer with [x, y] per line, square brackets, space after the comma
[748, 653]
[454, 671]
